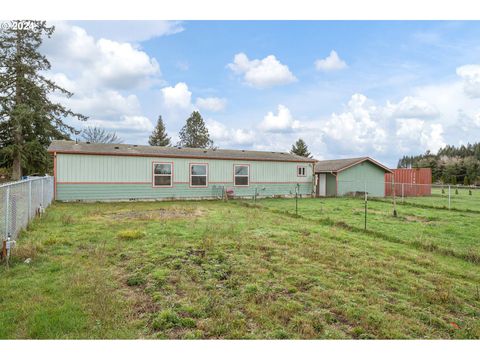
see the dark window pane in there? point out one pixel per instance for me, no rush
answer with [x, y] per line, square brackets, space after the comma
[163, 180]
[163, 169]
[199, 180]
[241, 170]
[199, 169]
[241, 180]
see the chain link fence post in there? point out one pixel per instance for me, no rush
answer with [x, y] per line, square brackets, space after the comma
[7, 203]
[30, 200]
[41, 198]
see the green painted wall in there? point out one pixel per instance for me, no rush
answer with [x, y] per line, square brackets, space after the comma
[331, 185]
[354, 179]
[71, 192]
[93, 177]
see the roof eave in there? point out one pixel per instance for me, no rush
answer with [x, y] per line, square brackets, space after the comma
[363, 160]
[53, 151]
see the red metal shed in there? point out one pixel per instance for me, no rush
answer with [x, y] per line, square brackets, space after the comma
[409, 182]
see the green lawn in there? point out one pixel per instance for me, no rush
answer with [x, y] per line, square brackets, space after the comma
[229, 270]
[461, 199]
[454, 233]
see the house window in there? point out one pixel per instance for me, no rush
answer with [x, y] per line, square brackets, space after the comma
[162, 174]
[301, 171]
[198, 175]
[242, 175]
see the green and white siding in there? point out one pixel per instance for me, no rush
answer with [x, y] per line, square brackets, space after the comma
[357, 177]
[106, 177]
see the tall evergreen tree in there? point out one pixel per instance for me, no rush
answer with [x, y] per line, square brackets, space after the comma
[29, 119]
[98, 135]
[300, 148]
[159, 135]
[194, 133]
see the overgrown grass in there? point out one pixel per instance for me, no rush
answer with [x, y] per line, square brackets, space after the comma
[461, 199]
[220, 270]
[453, 233]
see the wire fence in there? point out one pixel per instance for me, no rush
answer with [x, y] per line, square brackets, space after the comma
[20, 201]
[444, 196]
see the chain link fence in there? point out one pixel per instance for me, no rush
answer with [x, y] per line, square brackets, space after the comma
[20, 201]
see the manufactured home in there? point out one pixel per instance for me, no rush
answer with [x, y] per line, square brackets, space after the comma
[350, 176]
[85, 171]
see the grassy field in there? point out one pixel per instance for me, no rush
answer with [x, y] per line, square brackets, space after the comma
[233, 270]
[460, 199]
[454, 233]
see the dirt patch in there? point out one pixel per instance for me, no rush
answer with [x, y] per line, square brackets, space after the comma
[159, 214]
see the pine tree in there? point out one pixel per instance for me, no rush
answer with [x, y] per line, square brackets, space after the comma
[159, 135]
[29, 119]
[300, 148]
[98, 135]
[194, 133]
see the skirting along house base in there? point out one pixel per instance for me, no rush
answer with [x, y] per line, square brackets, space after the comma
[85, 171]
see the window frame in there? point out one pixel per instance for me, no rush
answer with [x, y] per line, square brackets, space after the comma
[247, 176]
[190, 175]
[304, 170]
[153, 173]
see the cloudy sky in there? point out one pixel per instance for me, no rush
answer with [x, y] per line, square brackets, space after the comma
[382, 89]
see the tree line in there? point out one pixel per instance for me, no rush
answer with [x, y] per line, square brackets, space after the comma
[30, 120]
[450, 165]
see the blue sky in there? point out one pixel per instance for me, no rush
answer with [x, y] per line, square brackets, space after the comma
[349, 88]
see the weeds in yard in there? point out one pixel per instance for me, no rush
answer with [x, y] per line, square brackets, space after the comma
[130, 234]
[238, 272]
[67, 219]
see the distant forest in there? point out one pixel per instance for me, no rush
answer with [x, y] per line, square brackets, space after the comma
[450, 165]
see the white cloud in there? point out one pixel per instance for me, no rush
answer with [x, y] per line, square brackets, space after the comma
[211, 103]
[229, 137]
[283, 121]
[103, 74]
[126, 123]
[131, 30]
[331, 63]
[99, 63]
[121, 66]
[412, 107]
[358, 128]
[417, 133]
[263, 73]
[177, 96]
[108, 103]
[470, 75]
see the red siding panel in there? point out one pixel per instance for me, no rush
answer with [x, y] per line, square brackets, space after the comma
[416, 182]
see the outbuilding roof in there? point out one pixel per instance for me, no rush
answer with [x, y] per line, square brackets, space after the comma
[73, 147]
[342, 164]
